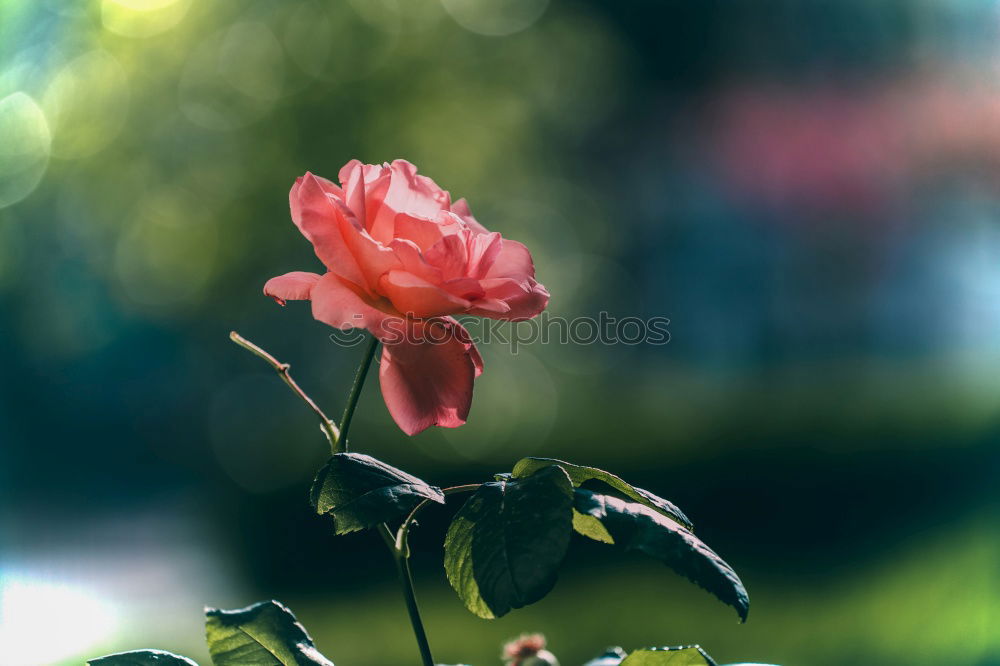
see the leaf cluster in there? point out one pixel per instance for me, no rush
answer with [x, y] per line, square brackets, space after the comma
[505, 545]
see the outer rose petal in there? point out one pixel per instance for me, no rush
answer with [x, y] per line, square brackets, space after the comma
[327, 186]
[417, 297]
[294, 286]
[318, 218]
[336, 303]
[427, 383]
[525, 299]
[345, 171]
[513, 261]
[352, 177]
[461, 208]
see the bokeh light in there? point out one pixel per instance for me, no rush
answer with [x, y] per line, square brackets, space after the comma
[166, 254]
[233, 77]
[86, 104]
[142, 18]
[394, 16]
[30, 608]
[25, 142]
[495, 19]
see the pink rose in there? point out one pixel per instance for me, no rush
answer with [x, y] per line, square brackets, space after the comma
[401, 258]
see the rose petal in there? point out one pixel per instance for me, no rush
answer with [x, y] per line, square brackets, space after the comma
[326, 185]
[451, 224]
[294, 286]
[484, 249]
[337, 303]
[413, 261]
[451, 255]
[379, 219]
[318, 217]
[417, 297]
[345, 171]
[513, 260]
[427, 380]
[489, 307]
[467, 288]
[525, 299]
[461, 208]
[401, 191]
[424, 233]
[352, 177]
[373, 258]
[415, 195]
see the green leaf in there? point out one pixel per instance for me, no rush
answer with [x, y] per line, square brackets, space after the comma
[580, 474]
[591, 527]
[504, 546]
[360, 492]
[265, 634]
[691, 655]
[636, 527]
[142, 658]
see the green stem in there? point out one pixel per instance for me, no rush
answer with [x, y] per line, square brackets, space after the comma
[352, 398]
[406, 580]
[328, 426]
[403, 533]
[400, 549]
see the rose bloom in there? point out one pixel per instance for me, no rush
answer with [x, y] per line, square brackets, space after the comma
[401, 258]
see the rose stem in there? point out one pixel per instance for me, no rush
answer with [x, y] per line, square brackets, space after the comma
[328, 426]
[401, 556]
[355, 394]
[406, 580]
[399, 545]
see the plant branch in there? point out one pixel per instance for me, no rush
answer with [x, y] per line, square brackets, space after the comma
[355, 394]
[328, 426]
[403, 533]
[406, 580]
[400, 549]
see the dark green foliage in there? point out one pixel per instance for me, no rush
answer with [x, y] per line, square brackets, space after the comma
[638, 528]
[580, 474]
[505, 545]
[360, 492]
[265, 634]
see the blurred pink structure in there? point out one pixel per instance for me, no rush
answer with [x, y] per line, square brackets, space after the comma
[852, 148]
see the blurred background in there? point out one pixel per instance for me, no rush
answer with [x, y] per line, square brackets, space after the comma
[809, 190]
